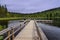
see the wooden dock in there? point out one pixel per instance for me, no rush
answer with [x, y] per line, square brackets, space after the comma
[28, 33]
[28, 30]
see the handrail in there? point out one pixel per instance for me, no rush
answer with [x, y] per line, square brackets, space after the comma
[11, 29]
[41, 34]
[13, 33]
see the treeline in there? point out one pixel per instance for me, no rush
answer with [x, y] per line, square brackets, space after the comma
[3, 11]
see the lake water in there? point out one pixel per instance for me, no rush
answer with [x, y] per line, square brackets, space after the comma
[14, 23]
[52, 32]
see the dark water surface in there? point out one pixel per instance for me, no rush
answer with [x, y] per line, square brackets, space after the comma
[52, 32]
[14, 23]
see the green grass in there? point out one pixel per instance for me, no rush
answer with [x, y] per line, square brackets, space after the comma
[1, 27]
[1, 37]
[10, 18]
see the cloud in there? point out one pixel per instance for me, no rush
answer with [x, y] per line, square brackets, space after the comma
[28, 6]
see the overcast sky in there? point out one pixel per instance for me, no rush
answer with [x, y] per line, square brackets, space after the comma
[29, 6]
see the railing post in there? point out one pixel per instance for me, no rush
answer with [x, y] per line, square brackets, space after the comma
[13, 34]
[20, 26]
[8, 34]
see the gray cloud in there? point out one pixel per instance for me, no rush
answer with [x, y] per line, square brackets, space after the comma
[27, 6]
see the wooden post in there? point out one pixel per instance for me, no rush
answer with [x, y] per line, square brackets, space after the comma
[13, 34]
[9, 34]
[20, 26]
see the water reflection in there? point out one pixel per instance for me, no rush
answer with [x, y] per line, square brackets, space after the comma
[52, 32]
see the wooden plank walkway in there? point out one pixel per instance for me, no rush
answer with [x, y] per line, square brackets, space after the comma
[28, 33]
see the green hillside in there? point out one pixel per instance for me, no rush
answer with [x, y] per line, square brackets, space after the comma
[47, 14]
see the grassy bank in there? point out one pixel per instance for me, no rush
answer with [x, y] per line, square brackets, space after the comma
[11, 18]
[1, 37]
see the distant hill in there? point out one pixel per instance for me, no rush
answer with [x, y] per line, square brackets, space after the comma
[55, 12]
[51, 12]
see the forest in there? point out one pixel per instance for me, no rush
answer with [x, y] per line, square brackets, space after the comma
[51, 14]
